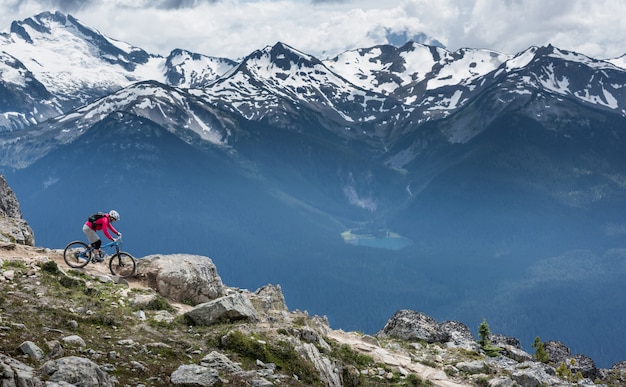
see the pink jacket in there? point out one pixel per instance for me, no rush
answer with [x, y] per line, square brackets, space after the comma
[103, 224]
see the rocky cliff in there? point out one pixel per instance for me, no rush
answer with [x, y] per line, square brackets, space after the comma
[176, 323]
[12, 227]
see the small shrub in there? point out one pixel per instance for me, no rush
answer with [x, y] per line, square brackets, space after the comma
[351, 376]
[540, 351]
[416, 381]
[299, 321]
[70, 282]
[50, 267]
[159, 303]
[349, 356]
[484, 332]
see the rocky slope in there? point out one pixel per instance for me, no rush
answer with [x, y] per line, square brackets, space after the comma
[176, 323]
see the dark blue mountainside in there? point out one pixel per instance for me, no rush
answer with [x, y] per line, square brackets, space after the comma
[465, 185]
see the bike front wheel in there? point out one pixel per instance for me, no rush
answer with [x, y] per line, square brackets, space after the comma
[77, 254]
[122, 265]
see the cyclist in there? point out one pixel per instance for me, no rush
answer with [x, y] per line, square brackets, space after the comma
[100, 221]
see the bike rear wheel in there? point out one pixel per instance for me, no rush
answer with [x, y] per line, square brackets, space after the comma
[122, 265]
[77, 254]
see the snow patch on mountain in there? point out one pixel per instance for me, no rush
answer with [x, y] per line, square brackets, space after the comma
[66, 61]
[619, 62]
[385, 69]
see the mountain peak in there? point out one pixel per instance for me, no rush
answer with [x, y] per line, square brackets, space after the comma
[283, 56]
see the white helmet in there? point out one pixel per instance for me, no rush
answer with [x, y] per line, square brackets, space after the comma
[114, 215]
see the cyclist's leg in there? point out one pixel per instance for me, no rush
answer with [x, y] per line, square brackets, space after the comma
[94, 239]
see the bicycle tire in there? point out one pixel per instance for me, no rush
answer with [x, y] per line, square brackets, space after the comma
[122, 265]
[71, 252]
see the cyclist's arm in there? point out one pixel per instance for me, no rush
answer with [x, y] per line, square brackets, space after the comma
[108, 227]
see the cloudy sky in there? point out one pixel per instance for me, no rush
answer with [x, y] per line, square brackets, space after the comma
[324, 28]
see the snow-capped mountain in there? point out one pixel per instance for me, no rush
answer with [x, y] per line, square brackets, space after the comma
[507, 160]
[283, 86]
[188, 70]
[366, 93]
[73, 64]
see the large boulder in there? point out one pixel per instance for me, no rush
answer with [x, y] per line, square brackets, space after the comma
[13, 229]
[192, 279]
[412, 325]
[557, 351]
[15, 373]
[458, 335]
[585, 365]
[196, 376]
[229, 308]
[618, 371]
[77, 371]
[511, 347]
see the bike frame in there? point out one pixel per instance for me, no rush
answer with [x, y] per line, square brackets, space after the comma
[116, 243]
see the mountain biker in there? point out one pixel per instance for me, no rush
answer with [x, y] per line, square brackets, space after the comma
[104, 222]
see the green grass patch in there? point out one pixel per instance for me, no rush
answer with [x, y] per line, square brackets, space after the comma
[279, 352]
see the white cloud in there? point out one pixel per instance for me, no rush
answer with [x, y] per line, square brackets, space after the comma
[235, 28]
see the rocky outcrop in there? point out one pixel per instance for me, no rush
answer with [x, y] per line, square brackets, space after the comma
[510, 347]
[191, 279]
[412, 325]
[518, 367]
[415, 326]
[13, 229]
[557, 351]
[233, 307]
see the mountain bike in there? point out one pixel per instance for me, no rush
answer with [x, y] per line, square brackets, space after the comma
[78, 254]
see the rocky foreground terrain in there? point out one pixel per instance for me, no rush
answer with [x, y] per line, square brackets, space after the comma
[176, 323]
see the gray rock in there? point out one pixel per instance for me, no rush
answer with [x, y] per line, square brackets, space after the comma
[328, 371]
[220, 362]
[229, 308]
[191, 375]
[73, 341]
[55, 349]
[141, 300]
[618, 370]
[412, 325]
[502, 381]
[515, 353]
[9, 206]
[163, 316]
[473, 367]
[502, 340]
[458, 335]
[557, 351]
[31, 349]
[271, 298]
[77, 371]
[585, 365]
[15, 373]
[182, 277]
